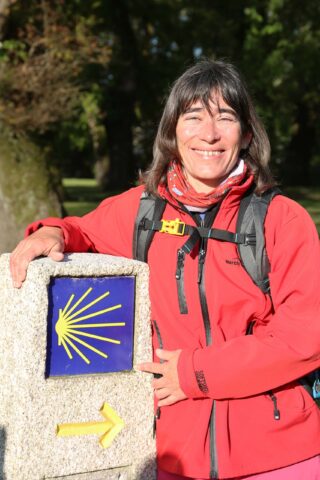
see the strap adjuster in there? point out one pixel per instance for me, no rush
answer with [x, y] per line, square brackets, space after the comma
[173, 227]
[244, 238]
[250, 239]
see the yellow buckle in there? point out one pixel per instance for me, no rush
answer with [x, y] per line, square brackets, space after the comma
[174, 227]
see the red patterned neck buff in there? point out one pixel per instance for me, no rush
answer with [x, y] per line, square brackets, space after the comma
[181, 190]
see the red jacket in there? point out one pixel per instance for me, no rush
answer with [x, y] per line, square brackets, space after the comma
[226, 427]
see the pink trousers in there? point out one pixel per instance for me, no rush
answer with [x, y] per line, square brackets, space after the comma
[306, 470]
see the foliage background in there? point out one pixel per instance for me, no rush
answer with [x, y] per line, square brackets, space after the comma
[85, 82]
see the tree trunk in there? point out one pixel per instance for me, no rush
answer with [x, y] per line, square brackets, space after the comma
[26, 192]
[119, 126]
[121, 97]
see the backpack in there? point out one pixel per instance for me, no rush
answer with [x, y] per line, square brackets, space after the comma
[249, 238]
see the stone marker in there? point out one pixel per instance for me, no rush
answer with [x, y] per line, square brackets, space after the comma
[71, 405]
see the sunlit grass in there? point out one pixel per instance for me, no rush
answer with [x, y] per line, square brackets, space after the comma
[82, 195]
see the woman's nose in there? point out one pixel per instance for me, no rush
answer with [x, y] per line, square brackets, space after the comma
[209, 131]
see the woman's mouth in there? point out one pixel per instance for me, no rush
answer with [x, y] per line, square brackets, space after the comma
[208, 153]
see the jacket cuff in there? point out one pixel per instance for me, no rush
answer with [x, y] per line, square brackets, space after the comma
[190, 381]
[48, 222]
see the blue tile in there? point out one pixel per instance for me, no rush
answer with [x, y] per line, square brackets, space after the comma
[90, 325]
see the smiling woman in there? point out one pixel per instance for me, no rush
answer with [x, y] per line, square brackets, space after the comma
[210, 110]
[230, 400]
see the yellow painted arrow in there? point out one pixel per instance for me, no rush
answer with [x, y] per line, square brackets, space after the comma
[109, 428]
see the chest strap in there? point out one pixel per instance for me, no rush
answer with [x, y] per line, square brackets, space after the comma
[176, 227]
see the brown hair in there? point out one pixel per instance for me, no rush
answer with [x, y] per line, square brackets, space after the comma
[198, 83]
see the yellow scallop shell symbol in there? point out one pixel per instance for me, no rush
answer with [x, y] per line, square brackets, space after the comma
[69, 326]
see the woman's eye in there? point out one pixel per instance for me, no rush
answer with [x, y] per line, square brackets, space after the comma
[227, 118]
[193, 117]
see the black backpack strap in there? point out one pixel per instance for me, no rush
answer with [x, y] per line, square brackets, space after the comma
[150, 208]
[251, 218]
[252, 213]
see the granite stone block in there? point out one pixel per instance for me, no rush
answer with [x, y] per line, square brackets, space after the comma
[33, 404]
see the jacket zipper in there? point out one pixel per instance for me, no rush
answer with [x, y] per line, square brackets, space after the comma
[276, 411]
[202, 291]
[157, 375]
[213, 447]
[207, 326]
[180, 282]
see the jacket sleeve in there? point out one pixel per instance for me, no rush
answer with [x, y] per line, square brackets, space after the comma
[107, 229]
[287, 345]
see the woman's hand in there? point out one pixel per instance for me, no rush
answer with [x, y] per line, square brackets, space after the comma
[47, 241]
[167, 387]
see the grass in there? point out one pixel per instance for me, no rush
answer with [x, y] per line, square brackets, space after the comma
[82, 195]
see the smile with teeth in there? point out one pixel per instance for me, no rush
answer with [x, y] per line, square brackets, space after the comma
[208, 153]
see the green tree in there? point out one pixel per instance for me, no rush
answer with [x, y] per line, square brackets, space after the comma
[281, 57]
[99, 71]
[42, 58]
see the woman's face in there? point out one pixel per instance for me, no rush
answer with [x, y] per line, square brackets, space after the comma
[209, 143]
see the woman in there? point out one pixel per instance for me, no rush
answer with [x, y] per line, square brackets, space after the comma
[217, 389]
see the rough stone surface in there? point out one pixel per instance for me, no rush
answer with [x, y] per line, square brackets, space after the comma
[32, 406]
